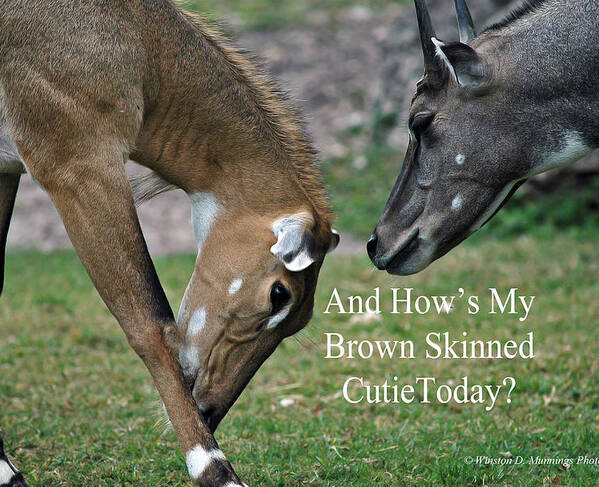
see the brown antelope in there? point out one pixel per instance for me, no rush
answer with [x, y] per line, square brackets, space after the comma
[86, 85]
[490, 112]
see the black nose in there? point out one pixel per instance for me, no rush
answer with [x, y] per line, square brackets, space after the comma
[371, 246]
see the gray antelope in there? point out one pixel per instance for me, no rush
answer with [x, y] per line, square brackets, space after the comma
[86, 85]
[490, 112]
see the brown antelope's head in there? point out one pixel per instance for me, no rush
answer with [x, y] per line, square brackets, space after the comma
[253, 286]
[472, 144]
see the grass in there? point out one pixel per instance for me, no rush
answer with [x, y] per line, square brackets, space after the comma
[358, 194]
[274, 14]
[78, 408]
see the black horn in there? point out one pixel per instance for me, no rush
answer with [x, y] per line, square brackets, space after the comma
[465, 24]
[432, 67]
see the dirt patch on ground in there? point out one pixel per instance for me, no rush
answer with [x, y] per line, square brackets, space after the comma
[339, 74]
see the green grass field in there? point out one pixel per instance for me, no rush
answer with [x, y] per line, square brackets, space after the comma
[79, 409]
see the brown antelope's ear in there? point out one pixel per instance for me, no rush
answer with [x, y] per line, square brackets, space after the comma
[334, 240]
[295, 246]
[465, 65]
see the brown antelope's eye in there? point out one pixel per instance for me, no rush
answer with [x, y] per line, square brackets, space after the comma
[420, 122]
[279, 297]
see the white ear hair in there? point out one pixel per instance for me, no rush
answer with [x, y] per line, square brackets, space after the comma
[295, 245]
[467, 68]
[334, 240]
[439, 45]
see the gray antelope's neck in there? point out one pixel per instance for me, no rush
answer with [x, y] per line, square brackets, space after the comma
[550, 56]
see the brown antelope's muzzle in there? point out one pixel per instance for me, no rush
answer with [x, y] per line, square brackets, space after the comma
[228, 371]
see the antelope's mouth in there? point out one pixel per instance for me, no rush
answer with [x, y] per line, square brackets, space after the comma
[413, 254]
[405, 249]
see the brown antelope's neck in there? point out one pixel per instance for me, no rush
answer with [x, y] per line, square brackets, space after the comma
[217, 124]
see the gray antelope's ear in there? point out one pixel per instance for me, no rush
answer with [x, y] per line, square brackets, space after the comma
[466, 66]
[295, 246]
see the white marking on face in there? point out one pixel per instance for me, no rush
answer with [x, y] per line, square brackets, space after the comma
[233, 484]
[460, 159]
[280, 316]
[457, 202]
[189, 358]
[6, 473]
[235, 286]
[197, 322]
[204, 210]
[573, 147]
[199, 458]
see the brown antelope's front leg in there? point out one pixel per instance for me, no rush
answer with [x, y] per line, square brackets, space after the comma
[94, 198]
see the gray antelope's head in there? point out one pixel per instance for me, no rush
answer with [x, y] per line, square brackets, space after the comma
[474, 139]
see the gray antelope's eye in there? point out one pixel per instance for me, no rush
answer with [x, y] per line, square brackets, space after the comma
[420, 122]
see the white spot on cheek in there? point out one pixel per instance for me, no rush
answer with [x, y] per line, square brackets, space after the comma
[235, 286]
[204, 210]
[197, 322]
[460, 159]
[457, 202]
[275, 320]
[233, 484]
[198, 460]
[6, 473]
[189, 358]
